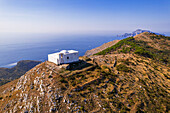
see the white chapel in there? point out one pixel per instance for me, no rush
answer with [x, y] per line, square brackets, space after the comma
[64, 57]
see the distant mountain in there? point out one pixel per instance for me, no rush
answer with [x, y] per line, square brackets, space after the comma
[8, 74]
[134, 33]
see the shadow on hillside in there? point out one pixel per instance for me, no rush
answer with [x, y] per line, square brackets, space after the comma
[79, 65]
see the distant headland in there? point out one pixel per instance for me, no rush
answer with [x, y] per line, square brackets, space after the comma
[136, 32]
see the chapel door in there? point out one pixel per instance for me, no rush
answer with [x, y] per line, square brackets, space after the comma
[62, 59]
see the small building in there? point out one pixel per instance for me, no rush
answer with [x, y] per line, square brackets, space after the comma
[64, 57]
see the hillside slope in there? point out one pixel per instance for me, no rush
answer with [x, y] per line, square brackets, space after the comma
[8, 74]
[126, 77]
[100, 48]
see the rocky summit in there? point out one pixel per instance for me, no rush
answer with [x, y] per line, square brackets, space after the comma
[132, 75]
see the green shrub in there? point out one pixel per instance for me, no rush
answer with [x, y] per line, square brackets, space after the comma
[143, 52]
[116, 46]
[50, 76]
[105, 67]
[79, 75]
[73, 83]
[122, 67]
[78, 81]
[125, 49]
[72, 78]
[82, 108]
[91, 75]
[90, 89]
[63, 80]
[127, 62]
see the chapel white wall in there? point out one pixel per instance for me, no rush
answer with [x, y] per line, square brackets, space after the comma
[53, 58]
[56, 58]
[73, 57]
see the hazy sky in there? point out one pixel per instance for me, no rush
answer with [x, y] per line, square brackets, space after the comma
[83, 16]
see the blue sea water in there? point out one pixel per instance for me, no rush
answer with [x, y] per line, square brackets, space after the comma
[14, 48]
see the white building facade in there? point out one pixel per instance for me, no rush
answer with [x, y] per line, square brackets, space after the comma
[64, 57]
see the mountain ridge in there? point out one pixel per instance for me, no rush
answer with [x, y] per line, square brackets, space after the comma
[125, 77]
[100, 48]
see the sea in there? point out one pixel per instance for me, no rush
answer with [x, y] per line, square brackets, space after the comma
[14, 48]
